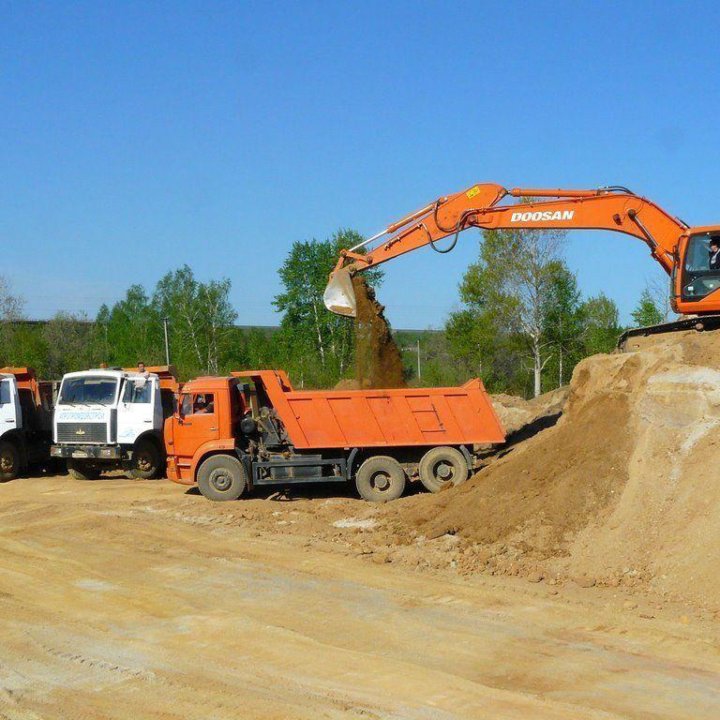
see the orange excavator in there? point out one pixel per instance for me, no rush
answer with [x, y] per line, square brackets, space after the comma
[683, 251]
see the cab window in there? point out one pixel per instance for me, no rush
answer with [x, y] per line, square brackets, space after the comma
[697, 257]
[198, 404]
[137, 394]
[698, 278]
[5, 392]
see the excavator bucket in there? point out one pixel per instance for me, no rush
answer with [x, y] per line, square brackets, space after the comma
[339, 296]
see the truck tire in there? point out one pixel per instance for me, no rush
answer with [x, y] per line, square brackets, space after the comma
[9, 460]
[442, 467]
[380, 479]
[222, 477]
[83, 470]
[146, 460]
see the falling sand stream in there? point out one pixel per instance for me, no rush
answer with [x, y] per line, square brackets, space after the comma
[378, 363]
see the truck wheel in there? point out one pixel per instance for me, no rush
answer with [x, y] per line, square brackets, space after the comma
[146, 460]
[81, 470]
[9, 460]
[380, 479]
[442, 467]
[222, 477]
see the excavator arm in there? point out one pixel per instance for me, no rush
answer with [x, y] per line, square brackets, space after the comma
[481, 206]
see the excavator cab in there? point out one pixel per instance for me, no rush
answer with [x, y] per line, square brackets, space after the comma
[698, 278]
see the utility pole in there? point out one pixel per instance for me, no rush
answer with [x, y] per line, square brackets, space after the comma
[415, 349]
[167, 341]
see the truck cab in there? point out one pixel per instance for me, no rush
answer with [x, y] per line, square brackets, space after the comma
[26, 406]
[107, 419]
[206, 420]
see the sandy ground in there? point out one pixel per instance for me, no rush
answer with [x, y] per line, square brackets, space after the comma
[124, 599]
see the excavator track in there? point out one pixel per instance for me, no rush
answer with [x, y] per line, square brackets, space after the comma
[700, 323]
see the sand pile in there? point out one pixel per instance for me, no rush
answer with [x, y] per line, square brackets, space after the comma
[378, 362]
[622, 491]
[516, 413]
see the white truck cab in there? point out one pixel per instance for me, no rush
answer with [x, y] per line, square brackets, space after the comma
[110, 418]
[25, 420]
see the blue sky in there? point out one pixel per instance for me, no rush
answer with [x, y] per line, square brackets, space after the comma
[137, 136]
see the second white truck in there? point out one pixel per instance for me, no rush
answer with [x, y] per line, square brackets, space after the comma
[109, 419]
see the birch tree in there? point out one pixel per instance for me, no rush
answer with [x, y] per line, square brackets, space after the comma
[563, 323]
[11, 306]
[11, 310]
[509, 291]
[200, 316]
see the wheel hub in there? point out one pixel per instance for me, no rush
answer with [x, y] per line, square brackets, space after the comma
[444, 471]
[220, 480]
[381, 481]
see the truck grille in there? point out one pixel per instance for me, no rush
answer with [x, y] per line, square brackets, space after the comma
[81, 433]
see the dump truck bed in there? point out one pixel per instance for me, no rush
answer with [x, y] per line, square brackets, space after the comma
[461, 415]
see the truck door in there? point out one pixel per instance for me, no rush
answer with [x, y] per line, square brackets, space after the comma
[136, 410]
[197, 424]
[9, 406]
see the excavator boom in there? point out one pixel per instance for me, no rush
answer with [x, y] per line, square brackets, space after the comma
[489, 206]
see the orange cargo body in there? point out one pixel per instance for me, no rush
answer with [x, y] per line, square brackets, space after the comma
[381, 418]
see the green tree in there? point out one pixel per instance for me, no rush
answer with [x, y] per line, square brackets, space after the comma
[482, 346]
[11, 312]
[11, 306]
[437, 365]
[317, 346]
[250, 348]
[647, 312]
[201, 319]
[601, 325]
[71, 344]
[563, 323]
[508, 292]
[131, 330]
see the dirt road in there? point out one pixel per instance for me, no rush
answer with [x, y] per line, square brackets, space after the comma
[125, 599]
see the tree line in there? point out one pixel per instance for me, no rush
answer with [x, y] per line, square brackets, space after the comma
[522, 325]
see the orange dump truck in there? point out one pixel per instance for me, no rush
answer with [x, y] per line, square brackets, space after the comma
[229, 434]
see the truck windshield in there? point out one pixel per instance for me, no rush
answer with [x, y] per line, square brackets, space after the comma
[90, 390]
